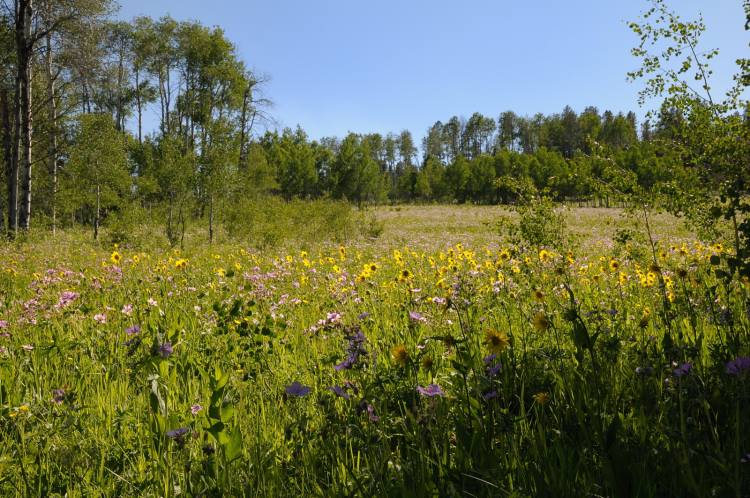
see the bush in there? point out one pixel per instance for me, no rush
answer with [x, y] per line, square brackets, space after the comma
[271, 221]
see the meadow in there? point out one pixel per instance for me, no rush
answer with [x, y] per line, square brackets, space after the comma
[439, 353]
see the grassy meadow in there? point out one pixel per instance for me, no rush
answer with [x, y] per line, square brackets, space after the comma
[428, 354]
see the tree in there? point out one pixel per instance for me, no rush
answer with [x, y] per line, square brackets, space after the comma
[98, 181]
[710, 135]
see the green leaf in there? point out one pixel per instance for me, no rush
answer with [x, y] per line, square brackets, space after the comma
[233, 449]
[227, 412]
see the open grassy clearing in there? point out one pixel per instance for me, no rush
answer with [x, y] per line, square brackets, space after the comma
[437, 359]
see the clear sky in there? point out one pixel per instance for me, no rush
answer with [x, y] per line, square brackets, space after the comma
[387, 65]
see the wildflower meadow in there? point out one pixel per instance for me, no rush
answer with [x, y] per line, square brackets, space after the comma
[375, 368]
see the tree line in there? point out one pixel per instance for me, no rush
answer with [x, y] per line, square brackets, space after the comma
[75, 85]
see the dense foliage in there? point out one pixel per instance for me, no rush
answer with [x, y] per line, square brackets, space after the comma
[65, 60]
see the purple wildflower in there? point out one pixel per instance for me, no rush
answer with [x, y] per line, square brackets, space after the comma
[298, 390]
[100, 318]
[66, 298]
[738, 366]
[178, 435]
[354, 350]
[371, 413]
[165, 350]
[417, 317]
[430, 391]
[682, 370]
[340, 392]
[195, 409]
[3, 324]
[135, 329]
[492, 369]
[489, 395]
[363, 315]
[745, 458]
[58, 396]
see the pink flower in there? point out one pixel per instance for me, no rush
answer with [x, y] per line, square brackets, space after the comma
[3, 324]
[66, 298]
[27, 347]
[127, 309]
[100, 318]
[152, 302]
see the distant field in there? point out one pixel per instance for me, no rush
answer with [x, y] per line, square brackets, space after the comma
[440, 225]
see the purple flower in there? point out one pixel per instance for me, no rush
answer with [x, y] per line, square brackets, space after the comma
[371, 413]
[195, 409]
[417, 317]
[298, 390]
[100, 318]
[3, 324]
[354, 350]
[745, 458]
[489, 395]
[135, 329]
[492, 370]
[58, 396]
[178, 435]
[682, 370]
[165, 350]
[363, 315]
[738, 366]
[340, 392]
[66, 298]
[430, 391]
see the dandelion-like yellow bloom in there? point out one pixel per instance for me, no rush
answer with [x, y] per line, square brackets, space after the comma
[115, 257]
[614, 265]
[180, 264]
[400, 355]
[540, 321]
[496, 341]
[541, 398]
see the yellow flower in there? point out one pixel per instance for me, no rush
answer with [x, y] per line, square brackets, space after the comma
[538, 295]
[541, 398]
[540, 321]
[400, 355]
[496, 341]
[180, 264]
[614, 265]
[115, 257]
[544, 255]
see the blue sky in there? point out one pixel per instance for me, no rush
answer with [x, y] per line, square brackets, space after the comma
[348, 65]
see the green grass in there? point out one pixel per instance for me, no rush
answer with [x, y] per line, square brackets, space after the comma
[589, 397]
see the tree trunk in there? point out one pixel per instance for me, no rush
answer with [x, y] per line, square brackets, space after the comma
[138, 104]
[211, 219]
[24, 49]
[6, 131]
[52, 132]
[243, 126]
[96, 215]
